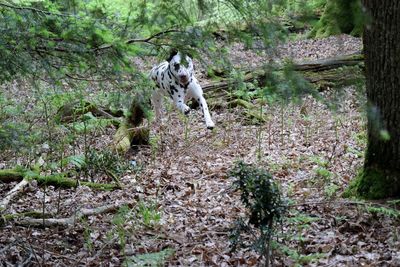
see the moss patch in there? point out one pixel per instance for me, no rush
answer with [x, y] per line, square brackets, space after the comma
[373, 183]
[340, 16]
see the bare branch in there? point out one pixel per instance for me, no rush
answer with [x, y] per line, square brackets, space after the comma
[145, 40]
[10, 195]
[70, 221]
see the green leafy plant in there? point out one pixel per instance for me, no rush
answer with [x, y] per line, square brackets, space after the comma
[105, 162]
[149, 214]
[86, 234]
[262, 198]
[123, 215]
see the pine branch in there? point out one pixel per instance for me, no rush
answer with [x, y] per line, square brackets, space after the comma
[36, 10]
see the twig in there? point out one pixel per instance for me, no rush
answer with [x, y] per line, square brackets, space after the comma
[145, 40]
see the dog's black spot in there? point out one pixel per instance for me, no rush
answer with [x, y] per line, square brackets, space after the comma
[176, 66]
[174, 88]
[179, 96]
[169, 74]
[180, 101]
[198, 100]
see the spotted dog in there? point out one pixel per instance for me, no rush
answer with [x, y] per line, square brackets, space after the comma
[175, 78]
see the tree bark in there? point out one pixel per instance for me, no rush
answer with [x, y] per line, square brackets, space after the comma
[381, 175]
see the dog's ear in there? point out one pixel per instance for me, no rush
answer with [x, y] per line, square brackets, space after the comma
[173, 53]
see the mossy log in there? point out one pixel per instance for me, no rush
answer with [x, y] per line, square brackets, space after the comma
[330, 63]
[57, 180]
[71, 112]
[324, 67]
[11, 175]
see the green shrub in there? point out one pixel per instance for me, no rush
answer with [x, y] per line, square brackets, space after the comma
[260, 194]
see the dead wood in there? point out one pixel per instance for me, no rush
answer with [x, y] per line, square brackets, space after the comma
[71, 112]
[12, 193]
[57, 180]
[32, 214]
[128, 133]
[70, 221]
[330, 63]
[10, 175]
[324, 67]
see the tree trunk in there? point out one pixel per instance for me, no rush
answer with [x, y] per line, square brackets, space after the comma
[381, 175]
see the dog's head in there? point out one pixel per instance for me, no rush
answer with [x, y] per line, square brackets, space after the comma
[181, 66]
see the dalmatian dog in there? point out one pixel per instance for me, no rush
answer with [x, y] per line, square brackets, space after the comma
[174, 77]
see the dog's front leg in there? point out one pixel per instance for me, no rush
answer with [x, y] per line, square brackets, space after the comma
[197, 92]
[178, 96]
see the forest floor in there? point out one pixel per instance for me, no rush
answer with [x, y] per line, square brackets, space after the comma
[181, 201]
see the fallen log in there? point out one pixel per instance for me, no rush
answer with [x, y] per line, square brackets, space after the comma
[31, 214]
[70, 221]
[330, 63]
[10, 175]
[324, 67]
[73, 111]
[57, 180]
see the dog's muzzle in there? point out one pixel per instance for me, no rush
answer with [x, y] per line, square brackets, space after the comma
[184, 79]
